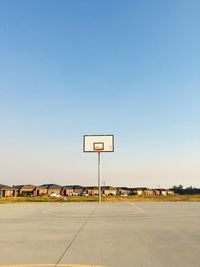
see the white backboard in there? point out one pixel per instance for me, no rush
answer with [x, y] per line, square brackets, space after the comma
[98, 143]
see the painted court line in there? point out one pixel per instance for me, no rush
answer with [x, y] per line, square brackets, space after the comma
[47, 210]
[138, 208]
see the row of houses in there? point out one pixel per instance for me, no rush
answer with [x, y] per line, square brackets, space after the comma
[77, 190]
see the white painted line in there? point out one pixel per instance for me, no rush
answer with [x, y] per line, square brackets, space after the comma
[47, 210]
[138, 208]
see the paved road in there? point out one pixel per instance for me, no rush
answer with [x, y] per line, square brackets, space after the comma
[110, 234]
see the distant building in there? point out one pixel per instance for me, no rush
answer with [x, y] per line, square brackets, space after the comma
[72, 190]
[7, 191]
[143, 191]
[25, 190]
[164, 192]
[139, 191]
[41, 190]
[52, 188]
[109, 191]
[67, 190]
[149, 192]
[78, 189]
[170, 192]
[122, 191]
[91, 190]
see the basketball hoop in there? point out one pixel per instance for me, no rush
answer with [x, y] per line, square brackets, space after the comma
[98, 149]
[98, 144]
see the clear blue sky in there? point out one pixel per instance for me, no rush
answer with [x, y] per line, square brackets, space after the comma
[75, 67]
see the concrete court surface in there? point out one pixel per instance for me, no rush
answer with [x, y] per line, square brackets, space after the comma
[109, 234]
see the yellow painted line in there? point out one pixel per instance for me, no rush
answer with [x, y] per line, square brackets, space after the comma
[47, 210]
[52, 265]
[138, 208]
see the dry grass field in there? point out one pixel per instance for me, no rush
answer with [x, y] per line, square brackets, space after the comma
[175, 198]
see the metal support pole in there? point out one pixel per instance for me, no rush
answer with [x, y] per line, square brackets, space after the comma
[99, 175]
